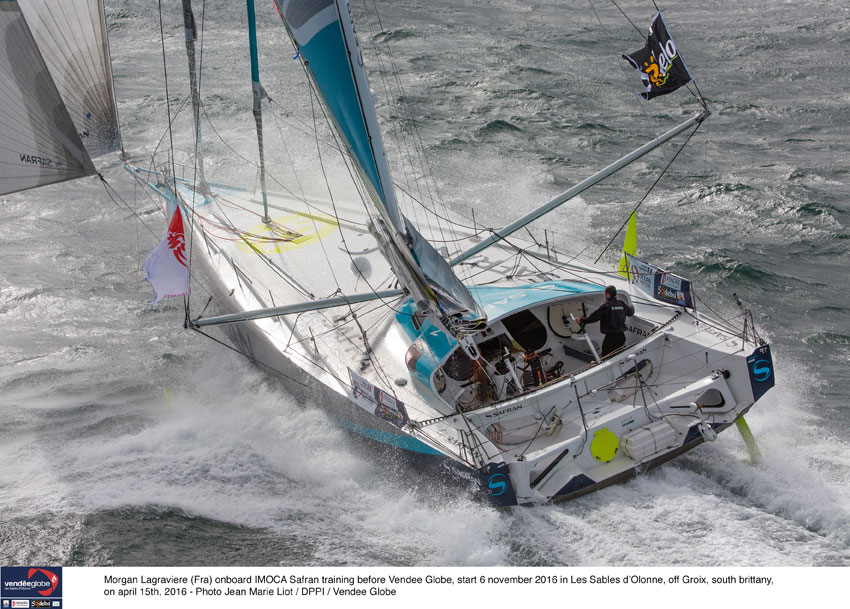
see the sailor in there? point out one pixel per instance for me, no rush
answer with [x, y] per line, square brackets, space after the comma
[612, 320]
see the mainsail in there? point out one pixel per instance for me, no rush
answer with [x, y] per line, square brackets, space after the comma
[71, 36]
[323, 32]
[39, 143]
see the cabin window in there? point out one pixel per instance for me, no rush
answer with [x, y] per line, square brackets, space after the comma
[413, 354]
[711, 399]
[527, 330]
[458, 367]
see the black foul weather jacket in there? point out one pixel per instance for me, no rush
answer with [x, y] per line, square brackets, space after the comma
[611, 316]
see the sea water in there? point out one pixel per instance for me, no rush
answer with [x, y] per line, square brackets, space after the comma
[125, 440]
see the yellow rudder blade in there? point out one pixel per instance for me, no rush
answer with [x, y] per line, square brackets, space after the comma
[749, 440]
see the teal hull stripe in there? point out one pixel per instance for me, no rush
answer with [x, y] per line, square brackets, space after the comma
[327, 59]
[404, 442]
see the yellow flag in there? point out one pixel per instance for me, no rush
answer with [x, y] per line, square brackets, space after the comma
[629, 245]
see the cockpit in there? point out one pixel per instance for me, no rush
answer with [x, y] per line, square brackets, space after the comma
[532, 339]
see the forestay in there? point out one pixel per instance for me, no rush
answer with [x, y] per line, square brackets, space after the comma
[39, 143]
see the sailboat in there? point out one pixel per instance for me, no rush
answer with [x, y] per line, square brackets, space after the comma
[472, 352]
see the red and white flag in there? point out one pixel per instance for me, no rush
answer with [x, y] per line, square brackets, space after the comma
[166, 268]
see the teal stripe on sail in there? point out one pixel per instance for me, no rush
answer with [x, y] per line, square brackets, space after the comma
[327, 58]
[323, 31]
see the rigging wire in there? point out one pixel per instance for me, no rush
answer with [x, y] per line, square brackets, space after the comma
[354, 180]
[196, 118]
[682, 147]
[418, 145]
[167, 96]
[628, 19]
[114, 194]
[197, 144]
[521, 252]
[369, 352]
[250, 357]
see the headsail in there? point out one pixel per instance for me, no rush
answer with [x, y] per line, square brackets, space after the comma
[71, 36]
[323, 32]
[39, 143]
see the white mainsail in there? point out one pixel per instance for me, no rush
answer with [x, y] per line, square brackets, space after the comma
[39, 143]
[71, 36]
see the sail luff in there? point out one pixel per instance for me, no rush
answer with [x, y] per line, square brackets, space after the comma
[327, 49]
[370, 118]
[107, 54]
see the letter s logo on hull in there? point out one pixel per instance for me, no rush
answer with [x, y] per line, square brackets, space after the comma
[761, 370]
[497, 484]
[760, 365]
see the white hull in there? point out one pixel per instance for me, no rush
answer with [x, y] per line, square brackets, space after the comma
[681, 378]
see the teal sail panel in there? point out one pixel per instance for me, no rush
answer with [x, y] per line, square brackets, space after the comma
[323, 32]
[316, 28]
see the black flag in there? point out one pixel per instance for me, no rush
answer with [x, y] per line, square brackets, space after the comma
[659, 63]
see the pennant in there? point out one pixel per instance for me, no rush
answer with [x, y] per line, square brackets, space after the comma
[166, 269]
[661, 68]
[629, 245]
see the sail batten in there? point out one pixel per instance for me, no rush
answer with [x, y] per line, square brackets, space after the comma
[71, 36]
[39, 143]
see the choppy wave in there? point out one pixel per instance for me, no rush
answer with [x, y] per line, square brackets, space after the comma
[127, 441]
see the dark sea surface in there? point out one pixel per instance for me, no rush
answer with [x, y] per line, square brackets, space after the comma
[125, 440]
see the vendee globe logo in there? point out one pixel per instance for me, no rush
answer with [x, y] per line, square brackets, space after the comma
[23, 582]
[51, 577]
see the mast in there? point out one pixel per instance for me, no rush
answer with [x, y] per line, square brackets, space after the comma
[191, 32]
[257, 88]
[323, 32]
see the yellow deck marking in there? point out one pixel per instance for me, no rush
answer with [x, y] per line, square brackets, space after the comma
[312, 229]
